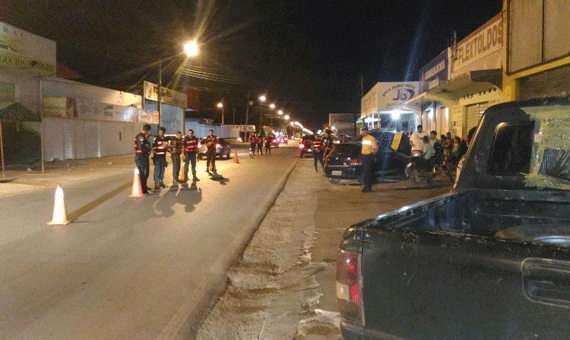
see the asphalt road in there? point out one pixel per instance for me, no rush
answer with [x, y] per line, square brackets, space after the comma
[128, 268]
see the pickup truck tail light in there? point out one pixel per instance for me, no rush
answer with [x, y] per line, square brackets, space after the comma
[349, 286]
[355, 161]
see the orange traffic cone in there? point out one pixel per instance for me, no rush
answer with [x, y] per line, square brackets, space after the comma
[59, 212]
[236, 158]
[137, 186]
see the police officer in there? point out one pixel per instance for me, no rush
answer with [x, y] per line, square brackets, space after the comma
[211, 152]
[369, 148]
[252, 144]
[160, 146]
[259, 144]
[268, 140]
[190, 152]
[326, 145]
[316, 146]
[142, 150]
[175, 152]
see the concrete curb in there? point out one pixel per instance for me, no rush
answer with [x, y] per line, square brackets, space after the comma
[181, 325]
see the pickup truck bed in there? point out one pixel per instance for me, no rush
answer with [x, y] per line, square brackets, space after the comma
[490, 260]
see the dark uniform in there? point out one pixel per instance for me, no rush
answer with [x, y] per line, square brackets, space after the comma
[260, 145]
[326, 146]
[211, 153]
[316, 146]
[175, 152]
[160, 146]
[252, 144]
[190, 151]
[142, 150]
[268, 145]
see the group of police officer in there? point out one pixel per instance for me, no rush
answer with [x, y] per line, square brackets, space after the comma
[321, 148]
[186, 147]
[258, 142]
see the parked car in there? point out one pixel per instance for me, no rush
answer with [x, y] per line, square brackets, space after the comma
[275, 142]
[344, 162]
[305, 145]
[223, 149]
[490, 260]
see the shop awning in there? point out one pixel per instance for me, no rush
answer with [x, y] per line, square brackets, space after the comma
[16, 112]
[472, 82]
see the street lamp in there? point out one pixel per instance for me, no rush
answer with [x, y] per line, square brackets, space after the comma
[272, 106]
[280, 112]
[262, 98]
[221, 106]
[287, 117]
[191, 48]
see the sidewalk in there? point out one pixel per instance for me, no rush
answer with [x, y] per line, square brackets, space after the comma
[284, 285]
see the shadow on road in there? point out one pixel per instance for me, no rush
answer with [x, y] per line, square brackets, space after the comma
[214, 176]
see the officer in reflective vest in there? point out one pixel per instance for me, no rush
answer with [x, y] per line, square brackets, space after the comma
[369, 148]
[160, 146]
[268, 140]
[260, 144]
[211, 142]
[316, 146]
[175, 152]
[142, 150]
[191, 145]
[252, 144]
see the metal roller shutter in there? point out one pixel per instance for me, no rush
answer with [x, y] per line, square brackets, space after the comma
[474, 113]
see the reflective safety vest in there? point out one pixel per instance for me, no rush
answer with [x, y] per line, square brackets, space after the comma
[260, 140]
[211, 142]
[316, 145]
[176, 146]
[142, 146]
[190, 144]
[160, 146]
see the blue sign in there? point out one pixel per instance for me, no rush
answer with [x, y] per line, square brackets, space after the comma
[435, 72]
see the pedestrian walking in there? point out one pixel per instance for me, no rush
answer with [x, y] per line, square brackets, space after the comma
[211, 151]
[142, 151]
[316, 146]
[252, 145]
[369, 148]
[160, 146]
[260, 144]
[190, 151]
[268, 140]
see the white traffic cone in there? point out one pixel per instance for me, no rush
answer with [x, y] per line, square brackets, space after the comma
[59, 211]
[137, 186]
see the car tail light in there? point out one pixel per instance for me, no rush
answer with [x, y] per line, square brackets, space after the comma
[349, 286]
[355, 161]
[301, 146]
[416, 153]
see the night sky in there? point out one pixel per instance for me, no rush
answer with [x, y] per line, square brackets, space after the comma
[308, 55]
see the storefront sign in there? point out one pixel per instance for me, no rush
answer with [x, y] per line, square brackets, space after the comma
[435, 72]
[26, 53]
[168, 96]
[388, 96]
[88, 109]
[481, 49]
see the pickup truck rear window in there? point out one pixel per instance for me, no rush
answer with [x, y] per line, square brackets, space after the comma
[512, 149]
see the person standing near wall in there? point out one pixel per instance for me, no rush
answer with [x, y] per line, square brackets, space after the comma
[142, 151]
[160, 146]
[175, 152]
[211, 152]
[190, 151]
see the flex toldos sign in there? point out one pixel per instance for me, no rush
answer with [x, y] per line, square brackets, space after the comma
[479, 44]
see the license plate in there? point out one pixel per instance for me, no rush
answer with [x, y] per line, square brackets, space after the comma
[337, 173]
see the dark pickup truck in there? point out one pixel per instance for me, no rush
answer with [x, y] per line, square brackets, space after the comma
[490, 260]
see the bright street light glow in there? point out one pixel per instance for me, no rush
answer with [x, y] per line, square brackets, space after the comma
[287, 117]
[220, 105]
[191, 48]
[272, 106]
[291, 124]
[280, 112]
[262, 98]
[396, 114]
